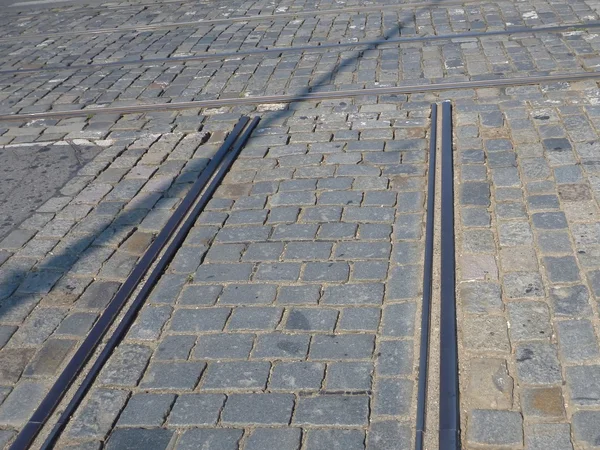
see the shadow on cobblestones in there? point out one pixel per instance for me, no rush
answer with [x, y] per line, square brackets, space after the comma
[24, 285]
[55, 283]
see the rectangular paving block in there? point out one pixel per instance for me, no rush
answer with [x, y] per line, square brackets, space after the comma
[259, 409]
[338, 410]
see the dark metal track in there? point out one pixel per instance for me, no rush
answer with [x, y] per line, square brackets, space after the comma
[449, 430]
[100, 328]
[427, 287]
[320, 46]
[410, 89]
[266, 17]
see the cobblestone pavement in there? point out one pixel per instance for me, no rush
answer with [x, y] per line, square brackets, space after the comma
[288, 318]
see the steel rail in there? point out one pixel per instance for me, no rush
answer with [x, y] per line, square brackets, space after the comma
[427, 286]
[318, 46]
[85, 351]
[311, 96]
[449, 420]
[197, 23]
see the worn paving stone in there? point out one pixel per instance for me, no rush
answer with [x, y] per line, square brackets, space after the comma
[335, 439]
[286, 438]
[585, 427]
[263, 409]
[149, 410]
[140, 438]
[337, 410]
[494, 427]
[95, 418]
[489, 384]
[544, 435]
[196, 409]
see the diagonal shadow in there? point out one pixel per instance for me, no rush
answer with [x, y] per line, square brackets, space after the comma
[17, 277]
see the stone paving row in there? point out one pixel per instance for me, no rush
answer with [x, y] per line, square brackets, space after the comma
[283, 32]
[527, 162]
[165, 13]
[288, 314]
[486, 58]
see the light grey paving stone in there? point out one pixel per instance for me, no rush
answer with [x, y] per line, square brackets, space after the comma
[259, 409]
[75, 324]
[172, 375]
[577, 340]
[146, 410]
[326, 271]
[6, 436]
[210, 439]
[280, 345]
[389, 435]
[359, 319]
[224, 346]
[337, 410]
[278, 272]
[198, 320]
[21, 403]
[332, 439]
[126, 365]
[167, 289]
[176, 347]
[585, 427]
[369, 270]
[297, 376]
[263, 251]
[489, 427]
[584, 384]
[244, 294]
[336, 347]
[404, 282]
[196, 410]
[529, 320]
[233, 375]
[96, 417]
[398, 319]
[218, 272]
[523, 284]
[311, 319]
[537, 363]
[394, 358]
[392, 396]
[481, 297]
[140, 438]
[149, 323]
[570, 301]
[195, 295]
[561, 269]
[286, 438]
[353, 294]
[349, 376]
[541, 436]
[299, 295]
[254, 318]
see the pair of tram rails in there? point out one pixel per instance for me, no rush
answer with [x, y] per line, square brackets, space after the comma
[171, 237]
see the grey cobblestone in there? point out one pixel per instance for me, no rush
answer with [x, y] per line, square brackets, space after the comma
[337, 410]
[264, 409]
